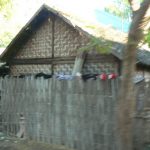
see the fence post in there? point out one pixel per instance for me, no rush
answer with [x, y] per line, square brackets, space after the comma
[22, 131]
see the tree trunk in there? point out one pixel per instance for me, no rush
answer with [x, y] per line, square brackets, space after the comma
[126, 102]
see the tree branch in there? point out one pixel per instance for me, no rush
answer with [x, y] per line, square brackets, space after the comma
[140, 21]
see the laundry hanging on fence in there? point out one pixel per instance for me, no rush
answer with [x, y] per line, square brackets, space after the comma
[86, 77]
[103, 76]
[89, 76]
[112, 76]
[45, 76]
[21, 76]
[64, 77]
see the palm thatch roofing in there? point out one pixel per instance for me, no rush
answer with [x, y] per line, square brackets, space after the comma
[107, 33]
[143, 56]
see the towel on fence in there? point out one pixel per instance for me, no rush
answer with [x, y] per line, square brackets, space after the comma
[45, 76]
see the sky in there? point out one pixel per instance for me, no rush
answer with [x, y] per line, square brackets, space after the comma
[23, 10]
[82, 8]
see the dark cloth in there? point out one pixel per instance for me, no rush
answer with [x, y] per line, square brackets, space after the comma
[89, 76]
[22, 76]
[45, 76]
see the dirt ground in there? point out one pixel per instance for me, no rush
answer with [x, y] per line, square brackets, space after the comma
[28, 145]
[12, 143]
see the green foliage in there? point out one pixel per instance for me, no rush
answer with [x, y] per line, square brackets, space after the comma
[5, 38]
[100, 45]
[7, 25]
[147, 38]
[6, 8]
[120, 8]
[3, 4]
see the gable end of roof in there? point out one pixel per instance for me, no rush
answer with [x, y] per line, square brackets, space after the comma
[39, 17]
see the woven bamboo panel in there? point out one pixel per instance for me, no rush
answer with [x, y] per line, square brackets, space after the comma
[63, 68]
[67, 39]
[30, 69]
[87, 68]
[39, 45]
[100, 68]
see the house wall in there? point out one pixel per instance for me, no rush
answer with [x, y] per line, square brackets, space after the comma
[39, 45]
[91, 67]
[30, 69]
[55, 39]
[67, 40]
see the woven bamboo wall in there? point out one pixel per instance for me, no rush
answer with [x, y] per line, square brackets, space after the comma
[63, 69]
[67, 39]
[101, 67]
[105, 67]
[93, 68]
[39, 45]
[29, 69]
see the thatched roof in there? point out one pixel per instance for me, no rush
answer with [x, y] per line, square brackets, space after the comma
[143, 56]
[107, 33]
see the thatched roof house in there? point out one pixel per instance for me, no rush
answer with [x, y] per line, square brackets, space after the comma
[49, 42]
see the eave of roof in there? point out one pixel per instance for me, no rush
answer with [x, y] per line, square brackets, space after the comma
[143, 56]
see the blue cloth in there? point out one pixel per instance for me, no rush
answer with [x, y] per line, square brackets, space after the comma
[64, 77]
